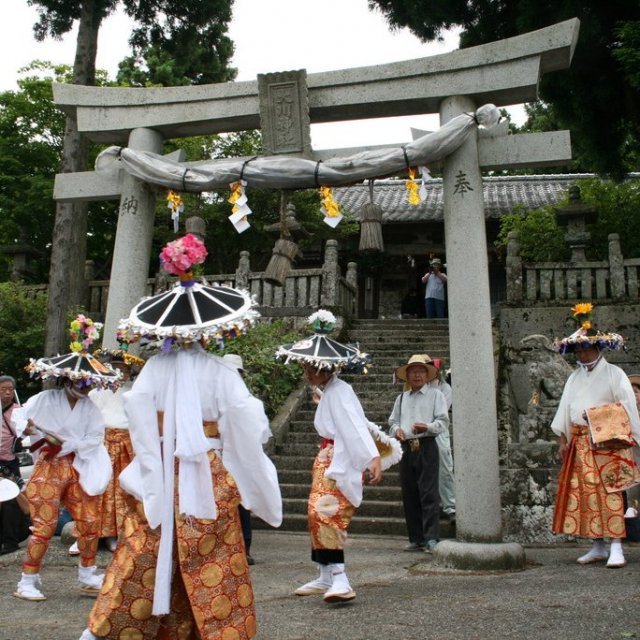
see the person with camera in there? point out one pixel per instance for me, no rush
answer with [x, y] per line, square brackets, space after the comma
[14, 527]
[434, 295]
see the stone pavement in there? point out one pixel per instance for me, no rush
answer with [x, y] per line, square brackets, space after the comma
[400, 596]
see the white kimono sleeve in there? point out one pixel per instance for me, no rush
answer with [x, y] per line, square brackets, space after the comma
[354, 447]
[243, 428]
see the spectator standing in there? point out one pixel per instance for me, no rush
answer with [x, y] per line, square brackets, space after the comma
[435, 295]
[13, 528]
[589, 501]
[419, 415]
[446, 477]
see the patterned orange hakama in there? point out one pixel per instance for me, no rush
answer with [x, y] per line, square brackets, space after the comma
[589, 502]
[211, 593]
[113, 504]
[54, 480]
[328, 510]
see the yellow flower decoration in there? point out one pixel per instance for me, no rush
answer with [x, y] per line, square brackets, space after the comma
[582, 308]
[75, 325]
[75, 346]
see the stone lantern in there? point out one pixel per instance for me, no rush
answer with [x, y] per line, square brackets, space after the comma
[22, 253]
[576, 216]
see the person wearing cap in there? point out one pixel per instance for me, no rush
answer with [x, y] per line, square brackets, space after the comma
[72, 464]
[446, 478]
[597, 397]
[179, 569]
[12, 518]
[419, 415]
[434, 294]
[347, 451]
[116, 439]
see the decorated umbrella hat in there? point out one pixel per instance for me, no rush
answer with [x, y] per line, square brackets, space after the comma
[79, 366]
[321, 351]
[587, 334]
[190, 311]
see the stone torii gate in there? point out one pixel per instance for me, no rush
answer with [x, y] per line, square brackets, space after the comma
[503, 73]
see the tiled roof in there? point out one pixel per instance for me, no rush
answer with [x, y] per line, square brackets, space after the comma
[501, 194]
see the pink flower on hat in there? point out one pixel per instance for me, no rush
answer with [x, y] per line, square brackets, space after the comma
[179, 256]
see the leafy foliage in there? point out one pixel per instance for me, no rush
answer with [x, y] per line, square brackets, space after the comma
[22, 326]
[541, 239]
[617, 205]
[268, 379]
[596, 98]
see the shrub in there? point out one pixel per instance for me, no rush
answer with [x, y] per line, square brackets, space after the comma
[267, 378]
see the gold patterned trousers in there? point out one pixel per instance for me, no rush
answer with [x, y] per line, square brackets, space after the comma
[211, 592]
[583, 507]
[329, 512]
[113, 503]
[54, 480]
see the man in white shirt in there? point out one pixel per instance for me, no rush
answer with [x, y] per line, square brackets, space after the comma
[419, 415]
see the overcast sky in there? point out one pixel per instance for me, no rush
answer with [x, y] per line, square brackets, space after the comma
[269, 35]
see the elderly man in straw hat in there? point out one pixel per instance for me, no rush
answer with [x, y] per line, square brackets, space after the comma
[597, 410]
[419, 415]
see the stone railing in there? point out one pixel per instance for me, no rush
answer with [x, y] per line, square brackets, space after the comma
[304, 291]
[612, 279]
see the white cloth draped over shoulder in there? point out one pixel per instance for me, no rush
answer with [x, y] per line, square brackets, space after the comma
[191, 386]
[291, 172]
[111, 405]
[604, 384]
[81, 429]
[340, 417]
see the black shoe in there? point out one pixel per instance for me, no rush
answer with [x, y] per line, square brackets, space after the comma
[250, 560]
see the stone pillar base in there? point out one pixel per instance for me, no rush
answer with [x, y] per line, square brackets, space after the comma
[476, 556]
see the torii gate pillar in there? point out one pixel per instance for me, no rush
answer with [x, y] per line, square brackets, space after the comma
[132, 248]
[478, 511]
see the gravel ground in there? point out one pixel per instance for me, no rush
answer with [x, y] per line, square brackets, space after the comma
[400, 596]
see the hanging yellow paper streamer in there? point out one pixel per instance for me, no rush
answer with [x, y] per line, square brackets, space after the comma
[331, 207]
[413, 188]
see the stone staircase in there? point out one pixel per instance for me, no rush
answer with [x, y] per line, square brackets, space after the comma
[390, 343]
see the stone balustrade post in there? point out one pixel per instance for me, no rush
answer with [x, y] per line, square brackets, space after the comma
[330, 275]
[352, 278]
[197, 226]
[616, 267]
[514, 268]
[243, 270]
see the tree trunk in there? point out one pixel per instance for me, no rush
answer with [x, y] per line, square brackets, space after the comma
[69, 242]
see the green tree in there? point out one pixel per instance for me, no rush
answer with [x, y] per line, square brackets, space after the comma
[594, 98]
[198, 26]
[31, 134]
[541, 239]
[22, 314]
